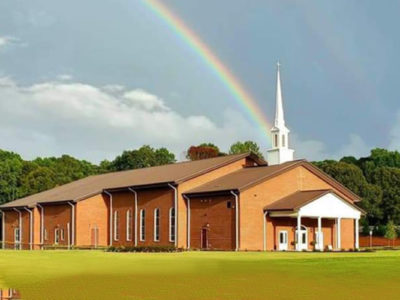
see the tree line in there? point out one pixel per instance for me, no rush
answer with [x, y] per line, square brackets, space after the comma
[375, 178]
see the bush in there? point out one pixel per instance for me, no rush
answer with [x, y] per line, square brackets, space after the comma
[144, 249]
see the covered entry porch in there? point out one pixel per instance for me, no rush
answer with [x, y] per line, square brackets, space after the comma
[311, 220]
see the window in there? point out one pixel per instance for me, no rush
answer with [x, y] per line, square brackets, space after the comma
[45, 235]
[62, 234]
[56, 236]
[17, 236]
[129, 225]
[228, 204]
[276, 140]
[283, 141]
[116, 226]
[283, 237]
[142, 225]
[157, 225]
[172, 224]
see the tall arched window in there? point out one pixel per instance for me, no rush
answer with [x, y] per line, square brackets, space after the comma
[172, 224]
[142, 232]
[116, 226]
[129, 225]
[157, 225]
[276, 140]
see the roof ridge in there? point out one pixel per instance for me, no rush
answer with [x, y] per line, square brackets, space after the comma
[175, 163]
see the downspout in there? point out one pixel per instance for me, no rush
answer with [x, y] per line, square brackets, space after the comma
[72, 224]
[111, 215]
[41, 224]
[30, 227]
[188, 220]
[176, 212]
[3, 234]
[265, 231]
[237, 218]
[136, 206]
[20, 227]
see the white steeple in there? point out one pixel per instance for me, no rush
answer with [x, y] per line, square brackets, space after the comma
[280, 152]
[279, 117]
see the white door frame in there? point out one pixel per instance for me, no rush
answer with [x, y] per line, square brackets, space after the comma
[283, 246]
[302, 246]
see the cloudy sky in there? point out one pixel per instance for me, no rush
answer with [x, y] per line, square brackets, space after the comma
[92, 78]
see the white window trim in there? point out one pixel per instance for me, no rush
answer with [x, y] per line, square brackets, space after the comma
[170, 225]
[56, 236]
[62, 234]
[142, 222]
[17, 241]
[128, 225]
[155, 225]
[116, 221]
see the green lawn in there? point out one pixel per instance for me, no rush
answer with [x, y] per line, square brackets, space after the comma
[201, 275]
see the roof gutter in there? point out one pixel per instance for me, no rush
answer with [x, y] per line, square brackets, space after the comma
[136, 208]
[30, 227]
[20, 227]
[41, 224]
[111, 214]
[236, 219]
[3, 229]
[73, 223]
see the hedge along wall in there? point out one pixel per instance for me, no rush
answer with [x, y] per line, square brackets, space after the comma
[378, 241]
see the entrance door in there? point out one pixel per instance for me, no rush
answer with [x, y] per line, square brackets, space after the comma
[204, 238]
[303, 238]
[283, 240]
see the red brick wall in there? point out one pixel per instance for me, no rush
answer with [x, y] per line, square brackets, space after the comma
[92, 214]
[149, 200]
[11, 222]
[195, 182]
[212, 213]
[56, 216]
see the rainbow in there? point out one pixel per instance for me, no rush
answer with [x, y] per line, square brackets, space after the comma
[239, 93]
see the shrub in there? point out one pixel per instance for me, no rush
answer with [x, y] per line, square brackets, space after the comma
[144, 249]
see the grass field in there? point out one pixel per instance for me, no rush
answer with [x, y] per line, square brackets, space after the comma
[201, 275]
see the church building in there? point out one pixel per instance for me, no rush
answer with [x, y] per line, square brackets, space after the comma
[235, 202]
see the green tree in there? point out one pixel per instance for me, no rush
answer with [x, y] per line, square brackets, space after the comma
[11, 170]
[39, 180]
[143, 157]
[391, 231]
[353, 178]
[247, 146]
[389, 181]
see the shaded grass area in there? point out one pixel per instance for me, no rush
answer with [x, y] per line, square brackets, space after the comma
[201, 275]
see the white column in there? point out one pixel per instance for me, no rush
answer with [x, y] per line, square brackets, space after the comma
[298, 233]
[338, 233]
[320, 242]
[357, 233]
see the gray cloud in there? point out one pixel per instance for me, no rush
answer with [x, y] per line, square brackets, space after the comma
[51, 118]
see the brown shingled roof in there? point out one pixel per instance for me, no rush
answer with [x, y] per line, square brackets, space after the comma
[248, 177]
[296, 200]
[92, 185]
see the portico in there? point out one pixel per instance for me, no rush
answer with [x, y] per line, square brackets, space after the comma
[313, 221]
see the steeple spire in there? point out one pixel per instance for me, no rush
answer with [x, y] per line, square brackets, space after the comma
[280, 151]
[279, 116]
